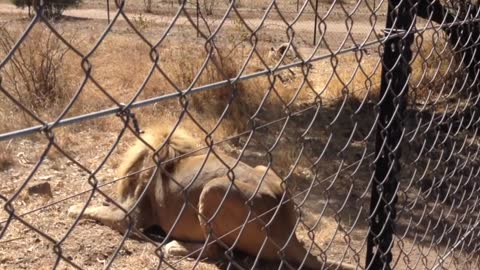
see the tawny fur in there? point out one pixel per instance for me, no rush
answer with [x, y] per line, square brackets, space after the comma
[277, 53]
[207, 215]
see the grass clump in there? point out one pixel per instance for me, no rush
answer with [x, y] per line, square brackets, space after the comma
[6, 157]
[38, 75]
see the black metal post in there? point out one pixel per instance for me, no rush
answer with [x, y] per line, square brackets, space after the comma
[198, 18]
[462, 37]
[315, 26]
[108, 11]
[394, 89]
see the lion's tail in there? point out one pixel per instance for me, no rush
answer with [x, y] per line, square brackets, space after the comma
[154, 147]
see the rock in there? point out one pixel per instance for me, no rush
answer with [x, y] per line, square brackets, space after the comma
[248, 153]
[60, 185]
[23, 159]
[42, 189]
[45, 177]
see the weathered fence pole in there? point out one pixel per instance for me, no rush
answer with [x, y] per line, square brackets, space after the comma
[197, 14]
[316, 22]
[108, 11]
[394, 89]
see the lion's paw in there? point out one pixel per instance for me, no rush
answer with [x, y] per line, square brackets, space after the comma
[75, 210]
[174, 249]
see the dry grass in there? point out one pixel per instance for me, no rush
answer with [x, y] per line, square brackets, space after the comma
[434, 65]
[358, 78]
[349, 76]
[6, 157]
[180, 65]
[38, 76]
[121, 64]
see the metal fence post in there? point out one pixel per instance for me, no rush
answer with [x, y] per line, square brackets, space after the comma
[197, 14]
[393, 97]
[316, 22]
[108, 11]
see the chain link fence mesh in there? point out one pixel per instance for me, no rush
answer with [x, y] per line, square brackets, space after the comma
[240, 135]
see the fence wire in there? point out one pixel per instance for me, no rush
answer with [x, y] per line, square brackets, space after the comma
[240, 135]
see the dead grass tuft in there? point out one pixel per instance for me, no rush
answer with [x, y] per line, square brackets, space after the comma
[433, 66]
[355, 78]
[6, 157]
[231, 105]
[37, 75]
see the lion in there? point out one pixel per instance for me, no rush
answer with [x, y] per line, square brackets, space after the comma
[244, 208]
[288, 55]
[284, 48]
[275, 54]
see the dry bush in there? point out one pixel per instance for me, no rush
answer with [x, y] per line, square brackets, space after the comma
[52, 8]
[141, 22]
[348, 76]
[6, 157]
[207, 7]
[182, 63]
[37, 75]
[433, 66]
[148, 6]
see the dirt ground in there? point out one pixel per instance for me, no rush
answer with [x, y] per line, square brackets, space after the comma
[322, 142]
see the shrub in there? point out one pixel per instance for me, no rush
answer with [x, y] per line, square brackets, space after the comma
[36, 74]
[148, 6]
[6, 157]
[141, 22]
[53, 8]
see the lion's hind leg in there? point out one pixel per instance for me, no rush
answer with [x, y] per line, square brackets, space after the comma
[232, 222]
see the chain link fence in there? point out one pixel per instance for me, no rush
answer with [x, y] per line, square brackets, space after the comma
[240, 135]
